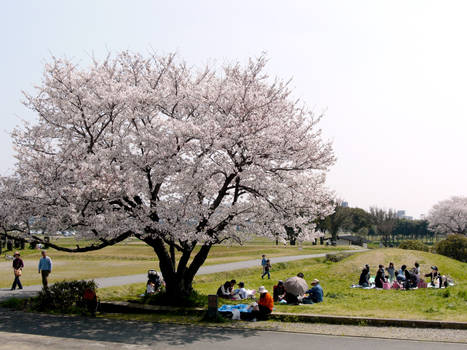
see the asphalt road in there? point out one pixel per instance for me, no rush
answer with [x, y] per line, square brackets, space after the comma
[141, 278]
[20, 330]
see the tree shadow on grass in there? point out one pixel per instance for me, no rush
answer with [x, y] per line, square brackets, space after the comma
[99, 329]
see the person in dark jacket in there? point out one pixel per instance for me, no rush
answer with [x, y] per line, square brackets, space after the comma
[315, 293]
[434, 274]
[380, 279]
[224, 290]
[17, 269]
[364, 280]
[401, 274]
[279, 291]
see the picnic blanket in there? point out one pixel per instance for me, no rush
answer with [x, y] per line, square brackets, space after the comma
[230, 308]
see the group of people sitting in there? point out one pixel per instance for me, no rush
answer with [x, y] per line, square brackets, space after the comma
[228, 291]
[403, 278]
[295, 294]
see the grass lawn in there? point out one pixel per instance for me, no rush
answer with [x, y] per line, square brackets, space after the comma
[134, 257]
[336, 279]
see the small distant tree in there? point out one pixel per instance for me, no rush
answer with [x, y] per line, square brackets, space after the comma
[385, 221]
[449, 216]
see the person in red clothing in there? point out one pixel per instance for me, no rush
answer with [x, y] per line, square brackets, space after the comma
[265, 305]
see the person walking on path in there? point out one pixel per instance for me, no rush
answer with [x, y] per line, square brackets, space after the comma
[263, 261]
[45, 267]
[17, 268]
[266, 269]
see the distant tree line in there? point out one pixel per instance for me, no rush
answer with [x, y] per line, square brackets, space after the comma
[376, 225]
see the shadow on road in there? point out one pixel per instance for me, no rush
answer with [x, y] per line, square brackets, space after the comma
[98, 329]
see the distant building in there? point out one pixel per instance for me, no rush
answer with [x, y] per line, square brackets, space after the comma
[345, 204]
[400, 214]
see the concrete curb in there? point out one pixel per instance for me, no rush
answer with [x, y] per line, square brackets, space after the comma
[127, 307]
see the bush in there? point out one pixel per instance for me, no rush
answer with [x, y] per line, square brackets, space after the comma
[64, 297]
[455, 246]
[14, 303]
[336, 257]
[162, 298]
[414, 245]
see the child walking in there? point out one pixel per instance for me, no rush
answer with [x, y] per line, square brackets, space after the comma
[267, 267]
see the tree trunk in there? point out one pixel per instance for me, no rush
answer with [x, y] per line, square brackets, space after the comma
[178, 280]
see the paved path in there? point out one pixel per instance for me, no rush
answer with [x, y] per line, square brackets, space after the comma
[20, 330]
[141, 278]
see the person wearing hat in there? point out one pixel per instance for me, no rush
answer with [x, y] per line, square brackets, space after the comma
[265, 305]
[434, 275]
[315, 293]
[17, 269]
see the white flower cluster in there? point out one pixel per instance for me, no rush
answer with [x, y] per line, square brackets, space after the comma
[151, 146]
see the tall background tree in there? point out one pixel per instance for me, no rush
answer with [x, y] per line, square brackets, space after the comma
[179, 158]
[449, 216]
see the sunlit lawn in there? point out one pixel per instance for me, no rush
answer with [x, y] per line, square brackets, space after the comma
[134, 257]
[340, 299]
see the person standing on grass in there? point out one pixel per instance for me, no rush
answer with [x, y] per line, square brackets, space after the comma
[45, 267]
[266, 269]
[391, 272]
[17, 268]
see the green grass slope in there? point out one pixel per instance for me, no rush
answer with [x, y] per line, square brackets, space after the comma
[340, 299]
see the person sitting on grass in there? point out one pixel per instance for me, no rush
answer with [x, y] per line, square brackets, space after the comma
[434, 274]
[232, 285]
[380, 279]
[410, 279]
[264, 307]
[241, 292]
[364, 279]
[291, 298]
[224, 291]
[150, 288]
[315, 293]
[278, 291]
[401, 274]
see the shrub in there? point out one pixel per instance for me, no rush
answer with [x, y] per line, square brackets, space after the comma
[336, 257]
[162, 298]
[14, 303]
[64, 297]
[454, 246]
[413, 244]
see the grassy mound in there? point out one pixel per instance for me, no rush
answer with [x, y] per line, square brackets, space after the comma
[337, 277]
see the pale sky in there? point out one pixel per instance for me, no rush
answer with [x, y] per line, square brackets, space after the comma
[391, 76]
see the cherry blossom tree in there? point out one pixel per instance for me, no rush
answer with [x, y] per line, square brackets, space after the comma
[180, 158]
[449, 216]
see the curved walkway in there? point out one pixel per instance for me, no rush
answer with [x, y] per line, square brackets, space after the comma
[204, 270]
